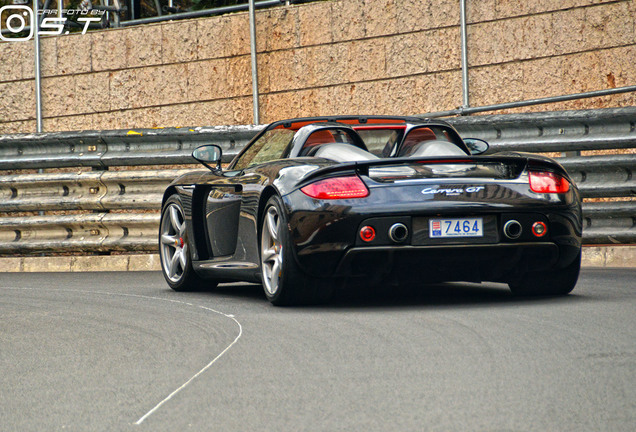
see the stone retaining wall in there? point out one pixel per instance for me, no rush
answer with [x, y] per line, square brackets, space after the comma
[331, 57]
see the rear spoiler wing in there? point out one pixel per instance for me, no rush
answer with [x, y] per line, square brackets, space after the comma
[537, 162]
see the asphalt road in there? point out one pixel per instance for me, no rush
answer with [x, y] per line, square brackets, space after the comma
[120, 351]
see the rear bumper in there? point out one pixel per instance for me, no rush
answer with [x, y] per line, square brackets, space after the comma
[337, 251]
[498, 262]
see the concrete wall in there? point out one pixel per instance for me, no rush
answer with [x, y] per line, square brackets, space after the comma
[334, 57]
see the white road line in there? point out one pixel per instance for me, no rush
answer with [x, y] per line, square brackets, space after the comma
[184, 385]
[149, 413]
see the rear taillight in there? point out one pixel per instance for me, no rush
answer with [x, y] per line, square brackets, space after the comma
[548, 182]
[337, 188]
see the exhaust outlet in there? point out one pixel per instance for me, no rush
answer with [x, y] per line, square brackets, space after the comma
[512, 229]
[398, 232]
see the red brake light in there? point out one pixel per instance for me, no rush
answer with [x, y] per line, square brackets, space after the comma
[367, 233]
[337, 188]
[548, 182]
[539, 229]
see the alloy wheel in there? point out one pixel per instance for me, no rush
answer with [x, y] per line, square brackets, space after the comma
[173, 247]
[271, 251]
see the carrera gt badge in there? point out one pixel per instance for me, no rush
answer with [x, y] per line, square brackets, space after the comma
[452, 191]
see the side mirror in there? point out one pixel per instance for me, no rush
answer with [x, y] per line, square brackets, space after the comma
[209, 154]
[476, 146]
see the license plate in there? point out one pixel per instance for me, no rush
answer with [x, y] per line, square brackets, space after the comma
[460, 227]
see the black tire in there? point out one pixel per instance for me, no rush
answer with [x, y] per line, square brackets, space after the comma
[174, 250]
[284, 283]
[548, 283]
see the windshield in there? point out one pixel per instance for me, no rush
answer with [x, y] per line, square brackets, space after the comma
[270, 146]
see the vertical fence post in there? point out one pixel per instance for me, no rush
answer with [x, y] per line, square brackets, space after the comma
[464, 39]
[38, 75]
[254, 64]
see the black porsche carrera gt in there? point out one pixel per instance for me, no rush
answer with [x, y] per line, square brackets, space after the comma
[313, 201]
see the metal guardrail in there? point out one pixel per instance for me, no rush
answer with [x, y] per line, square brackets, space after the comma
[103, 149]
[102, 210]
[92, 232]
[93, 190]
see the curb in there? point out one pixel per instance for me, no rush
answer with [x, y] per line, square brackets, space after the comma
[95, 263]
[609, 256]
[593, 256]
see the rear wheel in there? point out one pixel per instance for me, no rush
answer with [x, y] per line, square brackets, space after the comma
[553, 282]
[283, 282]
[174, 250]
